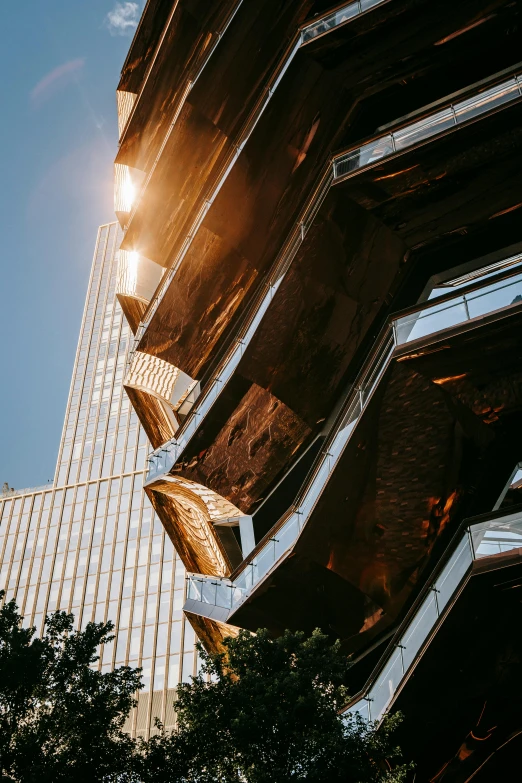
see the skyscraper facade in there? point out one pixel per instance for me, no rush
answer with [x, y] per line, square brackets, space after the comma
[91, 543]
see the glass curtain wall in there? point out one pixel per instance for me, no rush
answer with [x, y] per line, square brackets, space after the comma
[92, 544]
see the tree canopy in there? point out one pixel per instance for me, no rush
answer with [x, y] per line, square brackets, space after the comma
[268, 711]
[60, 720]
[264, 710]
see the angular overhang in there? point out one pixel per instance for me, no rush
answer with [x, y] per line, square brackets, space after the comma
[471, 659]
[201, 525]
[183, 46]
[282, 263]
[138, 278]
[470, 161]
[184, 221]
[143, 46]
[427, 450]
[158, 392]
[271, 394]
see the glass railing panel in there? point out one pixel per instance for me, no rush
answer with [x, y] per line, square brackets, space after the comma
[208, 593]
[265, 559]
[384, 689]
[495, 297]
[162, 460]
[424, 129]
[420, 324]
[363, 156]
[224, 594]
[497, 536]
[498, 542]
[344, 434]
[245, 579]
[337, 18]
[341, 439]
[379, 366]
[286, 535]
[194, 589]
[331, 21]
[352, 415]
[238, 594]
[253, 572]
[421, 625]
[375, 150]
[487, 100]
[453, 572]
[315, 489]
[362, 708]
[491, 537]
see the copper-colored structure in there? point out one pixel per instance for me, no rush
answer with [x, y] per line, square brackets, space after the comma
[321, 266]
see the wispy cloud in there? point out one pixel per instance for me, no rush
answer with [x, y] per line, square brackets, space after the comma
[123, 19]
[55, 79]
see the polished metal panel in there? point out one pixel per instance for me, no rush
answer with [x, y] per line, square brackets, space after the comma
[125, 103]
[137, 276]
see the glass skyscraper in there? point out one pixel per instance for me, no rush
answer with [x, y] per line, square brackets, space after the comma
[91, 543]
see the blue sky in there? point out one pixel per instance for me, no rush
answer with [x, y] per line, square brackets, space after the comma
[60, 64]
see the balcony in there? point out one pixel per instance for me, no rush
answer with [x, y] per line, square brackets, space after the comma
[248, 305]
[125, 103]
[172, 99]
[158, 392]
[428, 128]
[263, 323]
[182, 50]
[207, 531]
[486, 545]
[138, 278]
[410, 338]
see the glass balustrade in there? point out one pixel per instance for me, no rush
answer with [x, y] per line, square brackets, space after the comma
[323, 25]
[286, 535]
[483, 301]
[489, 538]
[497, 537]
[410, 327]
[427, 320]
[213, 591]
[492, 537]
[427, 128]
[337, 18]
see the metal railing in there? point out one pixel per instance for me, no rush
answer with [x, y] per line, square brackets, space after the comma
[285, 533]
[429, 127]
[337, 18]
[476, 300]
[487, 538]
[491, 537]
[162, 459]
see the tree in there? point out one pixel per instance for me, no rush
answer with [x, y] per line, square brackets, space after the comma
[270, 713]
[59, 719]
[265, 710]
